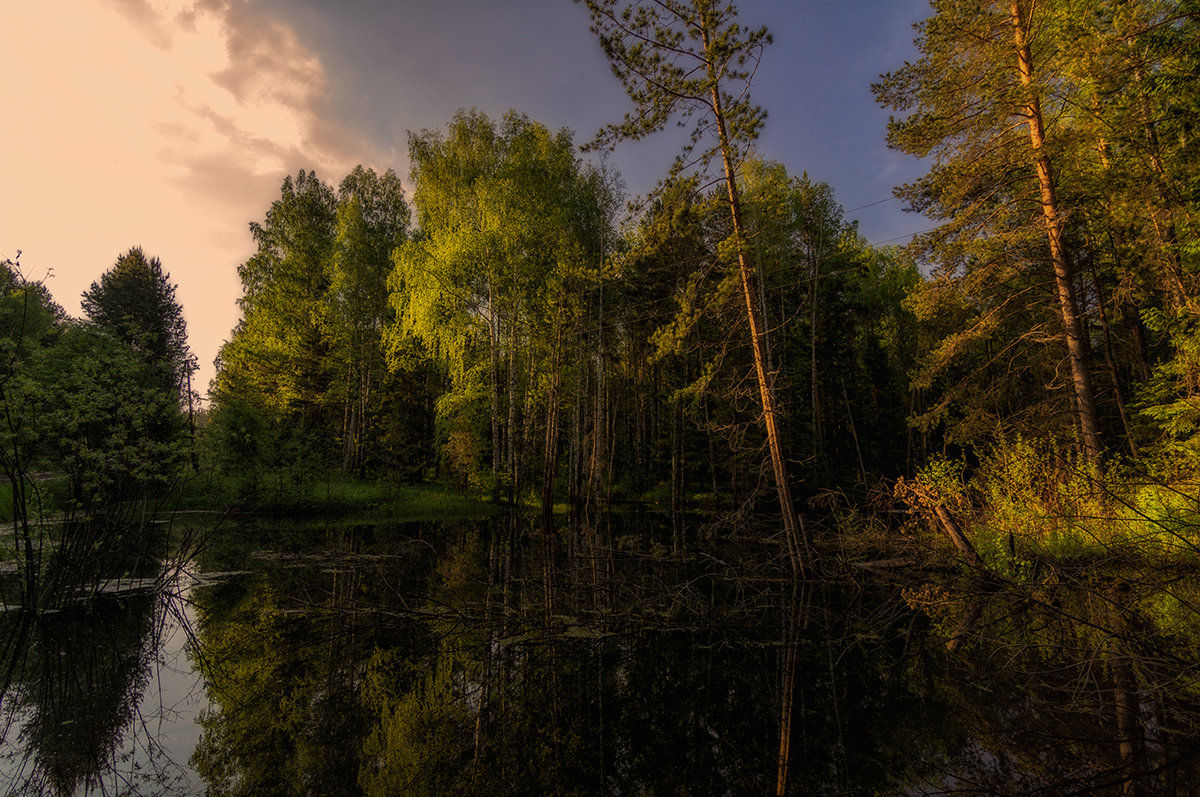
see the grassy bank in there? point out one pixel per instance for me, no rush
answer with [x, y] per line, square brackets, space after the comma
[1031, 502]
[327, 494]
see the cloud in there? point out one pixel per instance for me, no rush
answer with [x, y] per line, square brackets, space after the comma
[254, 92]
[267, 63]
[146, 19]
[168, 124]
[225, 85]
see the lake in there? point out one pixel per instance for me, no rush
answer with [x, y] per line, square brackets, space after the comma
[489, 657]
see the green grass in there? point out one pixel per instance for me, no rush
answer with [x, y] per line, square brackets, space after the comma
[433, 501]
[332, 493]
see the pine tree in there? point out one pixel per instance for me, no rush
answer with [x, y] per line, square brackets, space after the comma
[691, 60]
[987, 103]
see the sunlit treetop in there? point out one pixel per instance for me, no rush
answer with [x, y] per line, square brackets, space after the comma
[681, 60]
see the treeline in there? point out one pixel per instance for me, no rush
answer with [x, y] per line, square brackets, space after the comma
[1062, 295]
[516, 339]
[513, 327]
[105, 402]
[519, 334]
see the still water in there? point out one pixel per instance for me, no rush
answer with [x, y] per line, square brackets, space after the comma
[486, 657]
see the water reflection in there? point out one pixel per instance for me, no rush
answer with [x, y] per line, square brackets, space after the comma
[490, 657]
[94, 693]
[477, 660]
[1082, 683]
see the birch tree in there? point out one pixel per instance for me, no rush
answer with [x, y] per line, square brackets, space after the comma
[487, 284]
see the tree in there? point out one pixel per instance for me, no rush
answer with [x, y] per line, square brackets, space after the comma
[490, 285]
[29, 321]
[308, 364]
[106, 420]
[685, 59]
[278, 362]
[279, 353]
[842, 342]
[987, 101]
[135, 302]
[372, 221]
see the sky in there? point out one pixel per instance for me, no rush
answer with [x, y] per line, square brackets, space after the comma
[171, 124]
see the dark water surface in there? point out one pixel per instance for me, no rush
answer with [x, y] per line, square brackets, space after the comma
[486, 658]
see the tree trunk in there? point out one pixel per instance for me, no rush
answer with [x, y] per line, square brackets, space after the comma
[510, 445]
[494, 351]
[1085, 402]
[575, 457]
[712, 453]
[1111, 361]
[348, 417]
[596, 466]
[676, 479]
[766, 387]
[787, 698]
[550, 453]
[814, 372]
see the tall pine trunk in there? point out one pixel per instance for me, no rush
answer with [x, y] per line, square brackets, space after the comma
[758, 335]
[1085, 402]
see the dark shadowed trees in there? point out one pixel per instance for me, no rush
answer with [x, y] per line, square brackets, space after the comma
[135, 302]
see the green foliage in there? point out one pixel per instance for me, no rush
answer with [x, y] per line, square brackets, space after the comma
[682, 60]
[512, 228]
[99, 402]
[1169, 402]
[309, 356]
[1037, 498]
[135, 302]
[29, 317]
[841, 343]
[236, 434]
[1096, 81]
[945, 476]
[423, 736]
[278, 356]
[105, 419]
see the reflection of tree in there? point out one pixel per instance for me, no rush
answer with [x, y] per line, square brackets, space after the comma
[1098, 688]
[81, 673]
[283, 655]
[590, 670]
[286, 692]
[421, 742]
[91, 668]
[454, 659]
[91, 551]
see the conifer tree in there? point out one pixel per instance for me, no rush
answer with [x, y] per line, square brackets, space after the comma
[135, 302]
[986, 101]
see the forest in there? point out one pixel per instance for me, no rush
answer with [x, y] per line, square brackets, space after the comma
[518, 329]
[729, 346]
[1012, 398]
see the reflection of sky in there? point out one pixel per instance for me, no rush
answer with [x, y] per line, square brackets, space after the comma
[170, 706]
[129, 122]
[151, 755]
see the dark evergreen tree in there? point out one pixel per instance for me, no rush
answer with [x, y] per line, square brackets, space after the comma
[135, 302]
